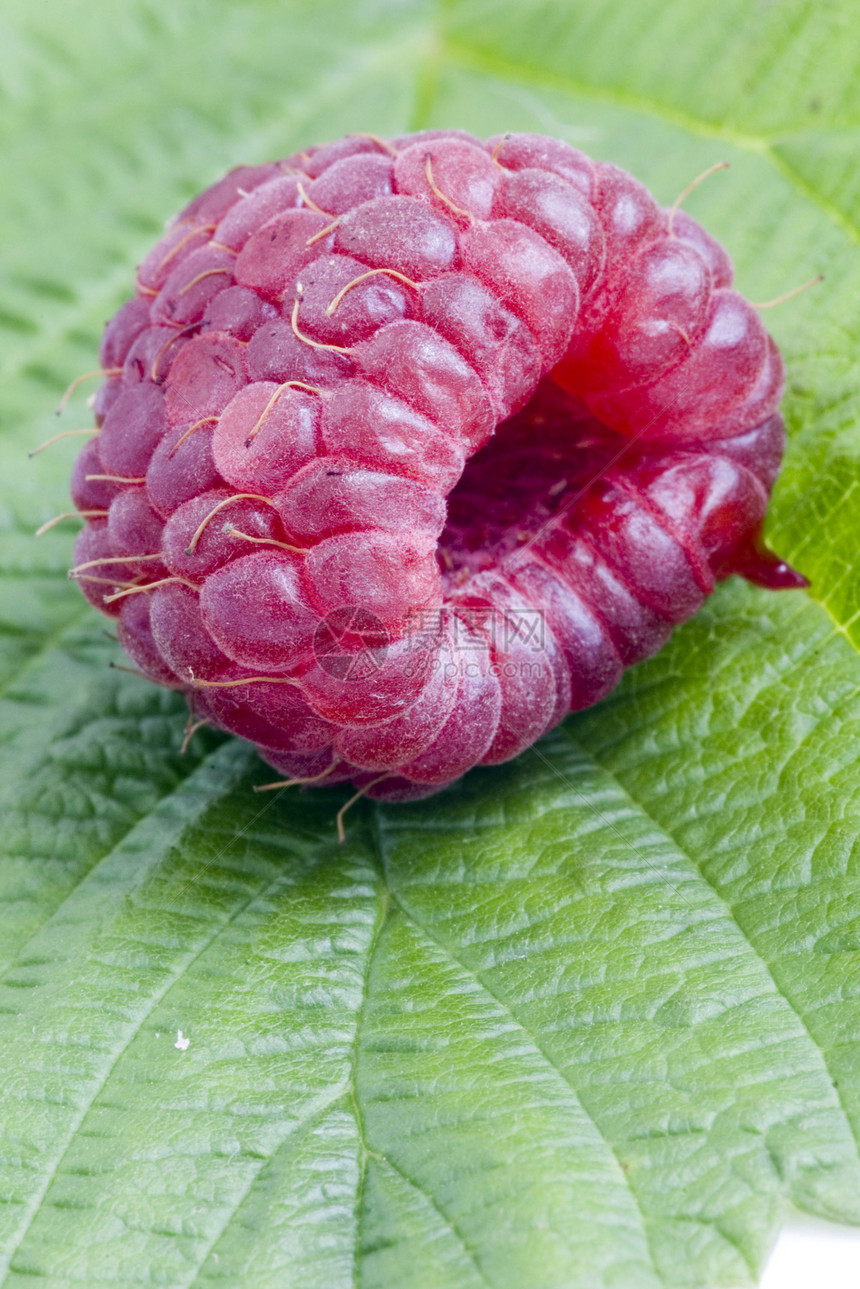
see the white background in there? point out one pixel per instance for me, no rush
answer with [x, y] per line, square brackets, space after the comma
[814, 1255]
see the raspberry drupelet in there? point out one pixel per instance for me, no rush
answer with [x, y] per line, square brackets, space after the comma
[407, 448]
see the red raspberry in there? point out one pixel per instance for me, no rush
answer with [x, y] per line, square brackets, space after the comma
[318, 349]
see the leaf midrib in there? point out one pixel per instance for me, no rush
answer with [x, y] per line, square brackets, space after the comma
[423, 929]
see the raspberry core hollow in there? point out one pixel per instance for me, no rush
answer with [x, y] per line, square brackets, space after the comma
[407, 448]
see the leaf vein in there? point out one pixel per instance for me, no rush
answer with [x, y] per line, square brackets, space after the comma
[732, 915]
[529, 1034]
[128, 1037]
[316, 1115]
[365, 1151]
[763, 146]
[448, 1221]
[47, 643]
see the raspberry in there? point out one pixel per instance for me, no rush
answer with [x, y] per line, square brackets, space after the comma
[408, 448]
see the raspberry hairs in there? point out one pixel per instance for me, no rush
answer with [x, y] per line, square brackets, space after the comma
[406, 448]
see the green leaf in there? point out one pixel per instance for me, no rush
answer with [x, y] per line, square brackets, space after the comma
[590, 1019]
